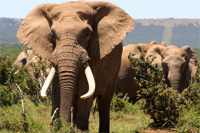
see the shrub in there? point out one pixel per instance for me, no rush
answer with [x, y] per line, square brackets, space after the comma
[30, 85]
[119, 104]
[6, 69]
[8, 96]
[189, 120]
[163, 104]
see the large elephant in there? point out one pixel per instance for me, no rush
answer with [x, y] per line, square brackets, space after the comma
[79, 37]
[178, 64]
[126, 84]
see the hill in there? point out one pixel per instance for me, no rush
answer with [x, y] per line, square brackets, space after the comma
[177, 32]
[8, 29]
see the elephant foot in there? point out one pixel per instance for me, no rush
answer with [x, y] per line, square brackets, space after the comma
[82, 127]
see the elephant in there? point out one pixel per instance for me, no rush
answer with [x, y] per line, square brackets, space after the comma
[27, 59]
[83, 41]
[21, 59]
[179, 64]
[126, 84]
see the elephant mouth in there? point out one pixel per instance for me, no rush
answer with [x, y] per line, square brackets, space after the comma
[89, 77]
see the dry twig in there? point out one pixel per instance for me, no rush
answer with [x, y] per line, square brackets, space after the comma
[54, 115]
[23, 110]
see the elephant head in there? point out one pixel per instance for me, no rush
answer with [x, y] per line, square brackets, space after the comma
[70, 34]
[21, 59]
[27, 59]
[126, 84]
[178, 64]
[143, 48]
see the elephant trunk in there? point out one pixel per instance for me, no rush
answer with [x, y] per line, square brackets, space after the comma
[69, 58]
[175, 81]
[68, 71]
[69, 61]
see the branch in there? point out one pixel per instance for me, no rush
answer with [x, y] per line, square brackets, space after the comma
[54, 115]
[23, 110]
[124, 98]
[25, 125]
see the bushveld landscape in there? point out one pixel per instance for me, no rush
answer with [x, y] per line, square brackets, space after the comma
[180, 115]
[22, 109]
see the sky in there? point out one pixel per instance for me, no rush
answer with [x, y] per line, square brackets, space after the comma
[138, 9]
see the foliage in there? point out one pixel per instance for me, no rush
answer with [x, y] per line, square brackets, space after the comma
[119, 104]
[30, 85]
[8, 96]
[14, 50]
[38, 117]
[197, 51]
[190, 116]
[125, 117]
[5, 69]
[163, 104]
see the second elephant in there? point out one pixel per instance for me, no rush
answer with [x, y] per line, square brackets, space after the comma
[179, 66]
[126, 84]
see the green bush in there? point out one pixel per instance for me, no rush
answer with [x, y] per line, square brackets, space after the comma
[163, 104]
[8, 96]
[30, 85]
[6, 69]
[119, 104]
[189, 120]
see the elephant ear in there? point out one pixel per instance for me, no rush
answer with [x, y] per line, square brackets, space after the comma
[192, 61]
[34, 31]
[156, 51]
[111, 24]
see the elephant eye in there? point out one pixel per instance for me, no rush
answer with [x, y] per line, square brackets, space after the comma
[52, 33]
[164, 65]
[150, 55]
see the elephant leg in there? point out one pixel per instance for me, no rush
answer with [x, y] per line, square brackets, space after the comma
[104, 108]
[82, 112]
[55, 93]
[133, 100]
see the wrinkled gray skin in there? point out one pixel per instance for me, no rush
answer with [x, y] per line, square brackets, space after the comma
[70, 35]
[126, 84]
[178, 64]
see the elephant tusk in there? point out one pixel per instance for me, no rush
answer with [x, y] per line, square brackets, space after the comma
[48, 81]
[91, 82]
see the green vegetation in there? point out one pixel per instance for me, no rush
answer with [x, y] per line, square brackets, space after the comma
[166, 106]
[197, 51]
[36, 117]
[14, 50]
[159, 107]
